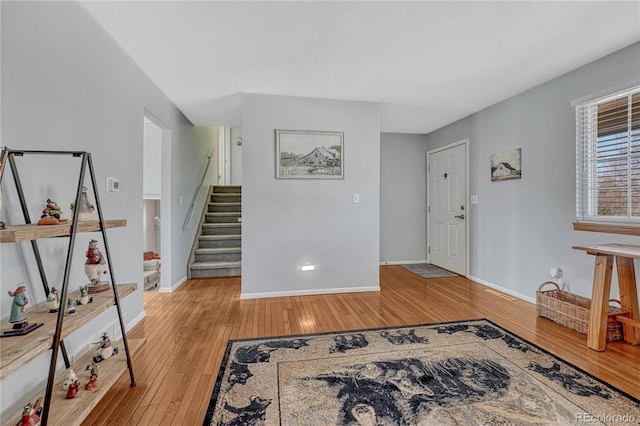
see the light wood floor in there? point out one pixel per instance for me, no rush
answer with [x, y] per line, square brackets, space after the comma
[187, 331]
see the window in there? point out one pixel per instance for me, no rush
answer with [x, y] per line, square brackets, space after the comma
[608, 158]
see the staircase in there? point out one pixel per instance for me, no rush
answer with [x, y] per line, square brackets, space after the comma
[217, 249]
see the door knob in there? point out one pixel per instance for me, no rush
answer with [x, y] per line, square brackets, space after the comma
[459, 217]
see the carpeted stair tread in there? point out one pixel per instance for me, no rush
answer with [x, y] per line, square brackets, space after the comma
[219, 237]
[218, 250]
[215, 265]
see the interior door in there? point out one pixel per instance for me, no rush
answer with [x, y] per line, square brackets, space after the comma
[447, 208]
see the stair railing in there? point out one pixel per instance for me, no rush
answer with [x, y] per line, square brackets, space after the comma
[196, 194]
[196, 239]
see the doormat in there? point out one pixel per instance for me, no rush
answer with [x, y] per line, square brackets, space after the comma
[427, 270]
[460, 373]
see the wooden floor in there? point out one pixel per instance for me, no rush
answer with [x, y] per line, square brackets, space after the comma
[187, 331]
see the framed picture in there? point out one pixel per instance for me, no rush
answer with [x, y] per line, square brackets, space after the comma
[506, 165]
[309, 154]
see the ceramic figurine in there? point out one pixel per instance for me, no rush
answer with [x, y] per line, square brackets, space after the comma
[53, 300]
[51, 214]
[31, 414]
[71, 307]
[69, 379]
[84, 296]
[18, 308]
[93, 367]
[92, 383]
[106, 350]
[86, 209]
[72, 392]
[94, 268]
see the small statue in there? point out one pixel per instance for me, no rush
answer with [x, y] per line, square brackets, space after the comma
[71, 307]
[86, 209]
[18, 308]
[51, 214]
[72, 392]
[31, 414]
[92, 383]
[106, 350]
[53, 300]
[93, 368]
[69, 379]
[84, 296]
[94, 268]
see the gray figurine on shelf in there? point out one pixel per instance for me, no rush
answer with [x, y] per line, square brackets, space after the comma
[18, 307]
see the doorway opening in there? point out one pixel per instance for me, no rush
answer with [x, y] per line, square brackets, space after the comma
[156, 255]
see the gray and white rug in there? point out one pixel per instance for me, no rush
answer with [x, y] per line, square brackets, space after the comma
[463, 373]
[427, 270]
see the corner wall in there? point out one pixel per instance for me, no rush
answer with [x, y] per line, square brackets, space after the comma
[66, 85]
[403, 199]
[288, 222]
[521, 228]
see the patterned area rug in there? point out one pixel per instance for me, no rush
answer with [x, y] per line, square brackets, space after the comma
[427, 270]
[462, 373]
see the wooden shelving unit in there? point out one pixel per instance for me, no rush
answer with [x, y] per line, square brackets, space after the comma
[17, 351]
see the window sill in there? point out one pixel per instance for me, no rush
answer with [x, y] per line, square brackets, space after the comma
[611, 228]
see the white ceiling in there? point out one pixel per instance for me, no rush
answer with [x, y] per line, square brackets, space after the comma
[427, 63]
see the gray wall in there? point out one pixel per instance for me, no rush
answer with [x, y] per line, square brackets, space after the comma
[403, 188]
[521, 228]
[288, 222]
[66, 85]
[236, 156]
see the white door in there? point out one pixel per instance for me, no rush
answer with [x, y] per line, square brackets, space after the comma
[447, 207]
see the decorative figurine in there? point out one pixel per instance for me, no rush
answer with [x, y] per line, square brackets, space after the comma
[92, 383]
[31, 414]
[106, 350]
[71, 307]
[94, 268]
[86, 209]
[72, 392]
[93, 380]
[53, 300]
[51, 214]
[69, 379]
[18, 308]
[17, 317]
[84, 296]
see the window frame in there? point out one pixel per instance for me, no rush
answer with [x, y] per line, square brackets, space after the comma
[587, 158]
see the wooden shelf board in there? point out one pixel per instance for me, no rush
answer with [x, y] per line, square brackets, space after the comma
[73, 411]
[608, 227]
[17, 233]
[16, 351]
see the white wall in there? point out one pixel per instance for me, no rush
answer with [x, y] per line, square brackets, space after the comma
[521, 228]
[66, 85]
[152, 164]
[287, 222]
[236, 156]
[403, 188]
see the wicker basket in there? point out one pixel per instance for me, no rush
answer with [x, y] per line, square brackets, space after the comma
[572, 311]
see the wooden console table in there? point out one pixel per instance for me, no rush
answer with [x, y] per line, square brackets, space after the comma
[624, 254]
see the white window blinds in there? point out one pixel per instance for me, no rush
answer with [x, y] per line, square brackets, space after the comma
[608, 158]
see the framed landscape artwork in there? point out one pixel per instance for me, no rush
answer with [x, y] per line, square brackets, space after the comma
[309, 154]
[506, 165]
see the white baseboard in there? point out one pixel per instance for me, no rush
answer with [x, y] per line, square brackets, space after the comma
[173, 287]
[502, 289]
[308, 292]
[135, 321]
[402, 262]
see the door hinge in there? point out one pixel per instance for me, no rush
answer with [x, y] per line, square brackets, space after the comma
[429, 250]
[428, 209]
